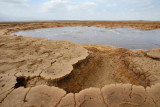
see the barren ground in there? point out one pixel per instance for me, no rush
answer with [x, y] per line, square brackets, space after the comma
[36, 72]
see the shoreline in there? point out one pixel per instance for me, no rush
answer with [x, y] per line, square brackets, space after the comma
[14, 26]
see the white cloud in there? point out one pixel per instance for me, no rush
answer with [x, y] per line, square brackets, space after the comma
[15, 1]
[143, 7]
[63, 5]
[111, 5]
[18, 3]
[79, 10]
[69, 10]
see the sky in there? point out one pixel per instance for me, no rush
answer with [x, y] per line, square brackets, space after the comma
[29, 10]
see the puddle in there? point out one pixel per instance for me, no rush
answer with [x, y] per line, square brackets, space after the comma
[121, 37]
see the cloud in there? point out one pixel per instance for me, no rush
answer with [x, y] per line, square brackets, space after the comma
[15, 1]
[19, 3]
[13, 10]
[63, 5]
[111, 5]
[69, 10]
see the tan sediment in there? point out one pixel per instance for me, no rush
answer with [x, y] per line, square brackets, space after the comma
[67, 101]
[154, 53]
[138, 68]
[37, 72]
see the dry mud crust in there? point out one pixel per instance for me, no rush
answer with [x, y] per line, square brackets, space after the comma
[23, 58]
[154, 53]
[119, 95]
[97, 70]
[36, 72]
[36, 56]
[138, 67]
[95, 67]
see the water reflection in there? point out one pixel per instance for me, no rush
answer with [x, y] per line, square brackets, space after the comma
[121, 37]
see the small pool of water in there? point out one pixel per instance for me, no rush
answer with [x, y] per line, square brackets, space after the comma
[121, 37]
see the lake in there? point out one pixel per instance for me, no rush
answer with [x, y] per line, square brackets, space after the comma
[121, 37]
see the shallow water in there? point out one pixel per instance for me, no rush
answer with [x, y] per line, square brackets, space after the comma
[121, 37]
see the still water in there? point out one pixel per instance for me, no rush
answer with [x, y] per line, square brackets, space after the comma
[122, 37]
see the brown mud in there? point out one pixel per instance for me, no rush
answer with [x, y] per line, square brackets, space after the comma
[36, 72]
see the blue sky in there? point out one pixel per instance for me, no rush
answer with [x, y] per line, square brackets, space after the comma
[26, 10]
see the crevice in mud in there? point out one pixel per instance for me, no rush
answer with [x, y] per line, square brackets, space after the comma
[154, 102]
[74, 97]
[34, 81]
[131, 91]
[131, 71]
[60, 100]
[21, 82]
[103, 98]
[6, 95]
[94, 71]
[76, 80]
[26, 95]
[77, 74]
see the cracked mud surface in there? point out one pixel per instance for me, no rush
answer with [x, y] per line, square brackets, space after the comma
[36, 72]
